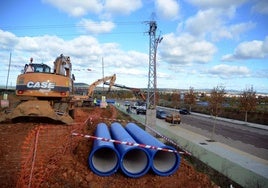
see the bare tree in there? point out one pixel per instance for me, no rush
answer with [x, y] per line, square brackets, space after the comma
[157, 96]
[175, 98]
[248, 101]
[216, 100]
[189, 98]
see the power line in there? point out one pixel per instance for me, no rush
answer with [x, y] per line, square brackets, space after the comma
[113, 33]
[55, 26]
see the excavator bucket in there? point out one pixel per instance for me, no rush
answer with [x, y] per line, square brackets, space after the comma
[36, 108]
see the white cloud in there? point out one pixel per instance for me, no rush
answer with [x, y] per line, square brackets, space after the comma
[261, 6]
[231, 32]
[28, 44]
[249, 50]
[84, 51]
[167, 9]
[265, 45]
[106, 8]
[8, 40]
[185, 49]
[216, 4]
[212, 23]
[228, 72]
[262, 73]
[203, 22]
[124, 7]
[77, 8]
[114, 57]
[96, 27]
[132, 71]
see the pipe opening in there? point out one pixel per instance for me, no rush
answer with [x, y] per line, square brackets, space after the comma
[164, 161]
[105, 160]
[135, 161]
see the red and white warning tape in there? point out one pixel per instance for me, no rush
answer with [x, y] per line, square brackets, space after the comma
[126, 143]
[169, 140]
[183, 152]
[117, 120]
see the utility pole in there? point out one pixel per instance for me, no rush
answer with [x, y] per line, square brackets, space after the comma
[152, 68]
[102, 62]
[8, 70]
[152, 78]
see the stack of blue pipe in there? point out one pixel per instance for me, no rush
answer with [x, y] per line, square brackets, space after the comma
[106, 158]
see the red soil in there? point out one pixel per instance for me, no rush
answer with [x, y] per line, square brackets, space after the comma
[46, 155]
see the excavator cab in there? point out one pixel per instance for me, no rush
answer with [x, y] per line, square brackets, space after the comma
[29, 68]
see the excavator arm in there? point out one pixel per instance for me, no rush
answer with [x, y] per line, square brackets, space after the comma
[62, 65]
[137, 92]
[99, 81]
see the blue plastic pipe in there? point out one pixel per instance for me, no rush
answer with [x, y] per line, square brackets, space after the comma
[163, 163]
[134, 161]
[104, 158]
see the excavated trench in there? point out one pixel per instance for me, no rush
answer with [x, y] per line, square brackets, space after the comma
[46, 155]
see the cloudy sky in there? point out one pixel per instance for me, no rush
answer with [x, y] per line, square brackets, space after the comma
[206, 43]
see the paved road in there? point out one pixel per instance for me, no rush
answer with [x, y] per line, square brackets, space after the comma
[245, 163]
[245, 134]
[248, 139]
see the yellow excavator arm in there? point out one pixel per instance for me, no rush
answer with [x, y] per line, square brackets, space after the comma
[62, 65]
[99, 81]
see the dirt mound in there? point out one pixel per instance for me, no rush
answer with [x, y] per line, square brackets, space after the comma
[46, 155]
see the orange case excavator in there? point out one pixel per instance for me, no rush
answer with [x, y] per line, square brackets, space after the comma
[44, 92]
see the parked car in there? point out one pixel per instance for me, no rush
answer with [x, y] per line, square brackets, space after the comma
[140, 107]
[127, 103]
[161, 114]
[173, 118]
[184, 111]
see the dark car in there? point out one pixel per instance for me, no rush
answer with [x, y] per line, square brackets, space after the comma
[161, 114]
[184, 111]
